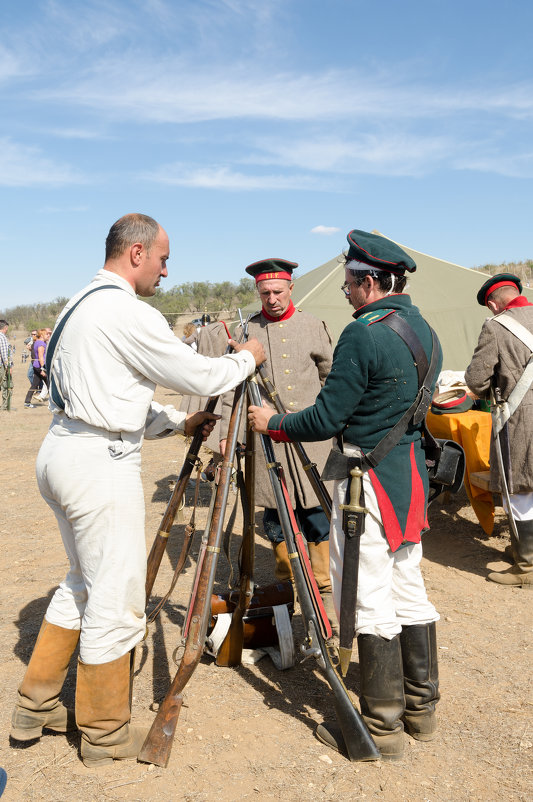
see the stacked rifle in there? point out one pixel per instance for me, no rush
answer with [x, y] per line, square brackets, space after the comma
[317, 644]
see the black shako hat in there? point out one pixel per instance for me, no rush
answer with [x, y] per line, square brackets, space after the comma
[376, 251]
[494, 282]
[271, 269]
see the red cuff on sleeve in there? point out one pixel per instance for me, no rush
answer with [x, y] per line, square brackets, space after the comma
[278, 435]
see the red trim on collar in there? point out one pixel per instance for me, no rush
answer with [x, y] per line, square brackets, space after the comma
[392, 295]
[289, 312]
[520, 300]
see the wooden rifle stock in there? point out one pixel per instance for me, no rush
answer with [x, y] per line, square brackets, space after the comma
[359, 743]
[158, 744]
[230, 652]
[161, 539]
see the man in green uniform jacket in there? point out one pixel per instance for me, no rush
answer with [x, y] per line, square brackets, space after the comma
[372, 383]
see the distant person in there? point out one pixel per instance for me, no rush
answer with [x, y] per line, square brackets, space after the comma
[43, 394]
[29, 343]
[113, 352]
[190, 336]
[500, 360]
[6, 363]
[39, 368]
[299, 354]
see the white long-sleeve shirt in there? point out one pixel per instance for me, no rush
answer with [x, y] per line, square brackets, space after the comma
[113, 352]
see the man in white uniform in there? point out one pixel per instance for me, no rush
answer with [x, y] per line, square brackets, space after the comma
[104, 367]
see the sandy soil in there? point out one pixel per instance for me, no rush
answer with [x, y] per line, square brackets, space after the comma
[247, 733]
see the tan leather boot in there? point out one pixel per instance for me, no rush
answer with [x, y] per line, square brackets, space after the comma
[319, 557]
[38, 706]
[521, 573]
[283, 570]
[103, 713]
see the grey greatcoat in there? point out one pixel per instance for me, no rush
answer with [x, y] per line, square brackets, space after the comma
[500, 359]
[299, 357]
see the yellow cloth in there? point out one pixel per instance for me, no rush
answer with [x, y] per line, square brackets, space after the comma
[472, 430]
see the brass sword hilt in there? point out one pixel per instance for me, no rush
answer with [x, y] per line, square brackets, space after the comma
[355, 492]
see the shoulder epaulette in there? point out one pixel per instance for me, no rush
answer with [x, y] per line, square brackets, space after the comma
[254, 314]
[374, 317]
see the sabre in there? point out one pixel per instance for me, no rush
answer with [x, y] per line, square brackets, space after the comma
[497, 401]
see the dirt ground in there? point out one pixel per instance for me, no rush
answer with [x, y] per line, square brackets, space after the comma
[247, 733]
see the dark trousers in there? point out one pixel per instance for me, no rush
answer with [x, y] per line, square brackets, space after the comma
[312, 522]
[39, 377]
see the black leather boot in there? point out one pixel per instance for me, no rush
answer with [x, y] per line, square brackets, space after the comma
[421, 680]
[382, 695]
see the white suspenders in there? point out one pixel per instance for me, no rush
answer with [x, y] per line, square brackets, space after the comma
[503, 411]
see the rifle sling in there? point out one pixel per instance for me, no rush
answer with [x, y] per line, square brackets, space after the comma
[55, 393]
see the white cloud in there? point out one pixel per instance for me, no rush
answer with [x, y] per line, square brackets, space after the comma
[23, 166]
[183, 90]
[11, 66]
[373, 153]
[220, 177]
[325, 231]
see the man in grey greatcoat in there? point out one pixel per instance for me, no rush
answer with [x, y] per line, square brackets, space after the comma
[299, 356]
[499, 361]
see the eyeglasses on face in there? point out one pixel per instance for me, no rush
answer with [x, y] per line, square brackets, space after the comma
[346, 287]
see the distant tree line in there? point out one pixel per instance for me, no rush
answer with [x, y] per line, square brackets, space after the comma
[524, 270]
[194, 297]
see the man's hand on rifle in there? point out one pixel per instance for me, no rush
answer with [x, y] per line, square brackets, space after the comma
[195, 419]
[252, 345]
[259, 418]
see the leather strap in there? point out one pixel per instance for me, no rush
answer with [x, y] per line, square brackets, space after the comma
[55, 393]
[418, 409]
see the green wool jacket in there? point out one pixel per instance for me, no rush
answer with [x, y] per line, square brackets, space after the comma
[372, 382]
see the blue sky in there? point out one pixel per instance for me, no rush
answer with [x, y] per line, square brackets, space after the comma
[257, 128]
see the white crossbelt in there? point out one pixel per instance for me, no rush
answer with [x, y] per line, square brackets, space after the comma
[502, 412]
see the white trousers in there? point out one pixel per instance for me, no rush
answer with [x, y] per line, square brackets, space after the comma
[91, 480]
[521, 506]
[391, 591]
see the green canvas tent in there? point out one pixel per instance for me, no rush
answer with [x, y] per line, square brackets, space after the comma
[444, 292]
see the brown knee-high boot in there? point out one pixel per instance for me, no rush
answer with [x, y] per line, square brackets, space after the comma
[421, 680]
[283, 570]
[319, 557]
[103, 713]
[38, 706]
[521, 573]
